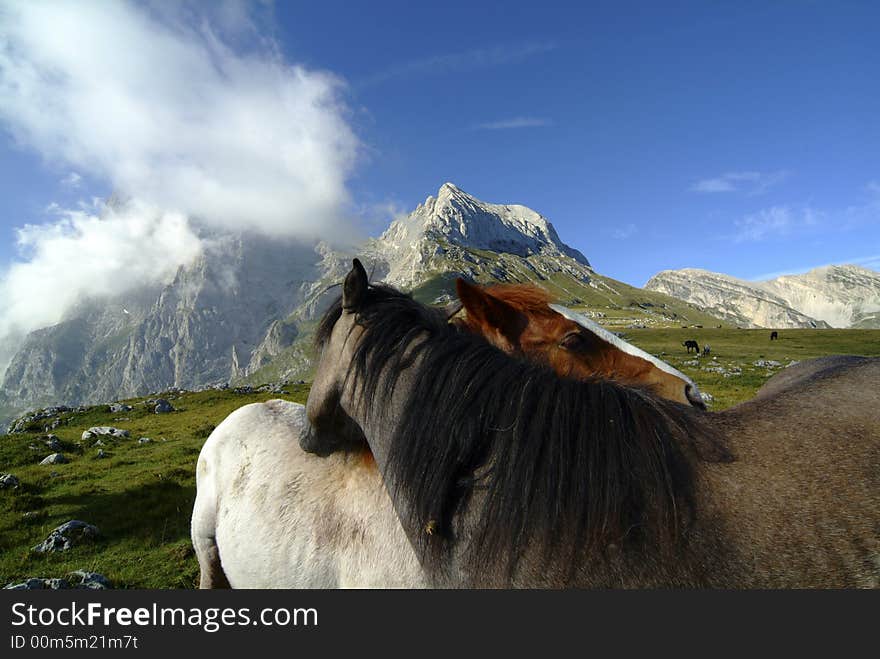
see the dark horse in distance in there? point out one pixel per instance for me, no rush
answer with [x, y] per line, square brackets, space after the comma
[690, 344]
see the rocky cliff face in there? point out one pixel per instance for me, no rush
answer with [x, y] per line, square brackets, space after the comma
[840, 295]
[834, 296]
[220, 315]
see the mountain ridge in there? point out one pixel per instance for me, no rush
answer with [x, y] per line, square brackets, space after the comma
[839, 296]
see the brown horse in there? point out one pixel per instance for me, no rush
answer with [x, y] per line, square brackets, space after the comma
[268, 515]
[522, 478]
[521, 319]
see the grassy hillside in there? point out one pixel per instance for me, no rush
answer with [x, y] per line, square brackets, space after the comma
[141, 495]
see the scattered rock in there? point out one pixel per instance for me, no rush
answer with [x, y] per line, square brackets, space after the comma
[53, 443]
[54, 459]
[116, 408]
[707, 397]
[163, 407]
[67, 535]
[144, 440]
[25, 423]
[8, 482]
[767, 363]
[96, 431]
[87, 581]
[35, 583]
[101, 454]
[91, 580]
[99, 442]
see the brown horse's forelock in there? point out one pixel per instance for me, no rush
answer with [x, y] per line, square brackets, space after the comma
[574, 466]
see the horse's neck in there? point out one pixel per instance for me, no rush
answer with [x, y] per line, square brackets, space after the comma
[379, 423]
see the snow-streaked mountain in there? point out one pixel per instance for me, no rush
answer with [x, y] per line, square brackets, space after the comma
[426, 241]
[832, 296]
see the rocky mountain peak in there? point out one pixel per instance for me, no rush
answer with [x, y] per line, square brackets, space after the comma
[455, 218]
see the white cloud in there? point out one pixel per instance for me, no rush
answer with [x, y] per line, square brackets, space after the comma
[514, 122]
[752, 183]
[624, 232]
[774, 222]
[72, 180]
[171, 114]
[97, 252]
[477, 58]
[153, 101]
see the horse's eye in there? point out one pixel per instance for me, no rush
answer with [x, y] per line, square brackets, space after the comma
[573, 341]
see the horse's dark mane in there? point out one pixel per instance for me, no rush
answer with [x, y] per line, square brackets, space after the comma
[563, 465]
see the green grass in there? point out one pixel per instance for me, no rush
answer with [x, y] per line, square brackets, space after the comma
[141, 496]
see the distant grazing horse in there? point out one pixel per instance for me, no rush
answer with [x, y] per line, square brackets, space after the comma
[504, 474]
[691, 344]
[774, 335]
[269, 515]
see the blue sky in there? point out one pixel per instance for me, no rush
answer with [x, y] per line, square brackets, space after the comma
[738, 137]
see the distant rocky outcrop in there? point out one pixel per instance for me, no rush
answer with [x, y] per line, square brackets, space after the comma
[744, 303]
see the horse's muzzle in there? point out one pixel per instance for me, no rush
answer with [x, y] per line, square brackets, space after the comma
[311, 441]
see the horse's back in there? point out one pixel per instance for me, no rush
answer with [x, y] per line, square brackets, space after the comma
[290, 519]
[223, 468]
[804, 490]
[815, 371]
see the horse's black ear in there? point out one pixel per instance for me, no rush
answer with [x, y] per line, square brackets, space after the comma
[355, 287]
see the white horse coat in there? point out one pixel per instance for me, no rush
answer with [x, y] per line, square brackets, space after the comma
[269, 515]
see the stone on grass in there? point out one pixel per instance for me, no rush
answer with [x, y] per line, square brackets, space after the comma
[54, 459]
[78, 580]
[163, 406]
[96, 431]
[66, 536]
[144, 440]
[8, 481]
